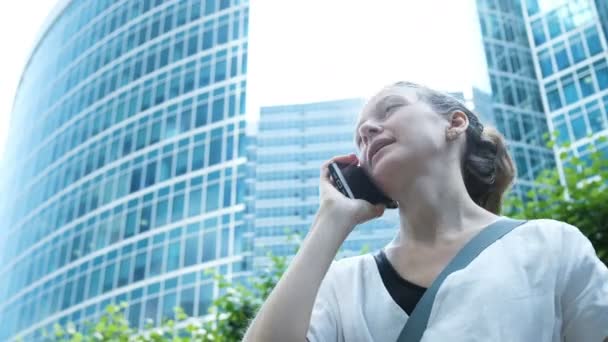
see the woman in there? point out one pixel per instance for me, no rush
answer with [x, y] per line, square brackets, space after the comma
[541, 282]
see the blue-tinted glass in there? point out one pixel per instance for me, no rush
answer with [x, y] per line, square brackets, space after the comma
[546, 66]
[173, 256]
[209, 6]
[554, 99]
[209, 244]
[191, 253]
[169, 302]
[204, 76]
[187, 301]
[532, 6]
[222, 33]
[94, 284]
[215, 151]
[165, 168]
[182, 163]
[194, 203]
[178, 208]
[161, 213]
[596, 120]
[539, 32]
[553, 24]
[577, 49]
[217, 110]
[124, 272]
[579, 128]
[570, 93]
[593, 41]
[134, 311]
[139, 272]
[220, 71]
[156, 261]
[130, 225]
[601, 73]
[205, 298]
[586, 83]
[212, 199]
[207, 39]
[151, 310]
[561, 56]
[198, 157]
[108, 278]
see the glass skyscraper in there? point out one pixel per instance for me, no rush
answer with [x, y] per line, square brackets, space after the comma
[548, 66]
[568, 40]
[126, 163]
[517, 110]
[292, 143]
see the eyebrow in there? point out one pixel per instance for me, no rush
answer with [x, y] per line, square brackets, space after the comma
[378, 108]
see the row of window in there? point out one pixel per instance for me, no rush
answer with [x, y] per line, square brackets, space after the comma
[304, 139]
[530, 162]
[305, 156]
[98, 194]
[156, 210]
[124, 141]
[509, 59]
[521, 127]
[581, 121]
[516, 92]
[584, 82]
[175, 48]
[504, 28]
[192, 291]
[286, 174]
[179, 79]
[512, 7]
[294, 192]
[570, 51]
[305, 123]
[561, 20]
[60, 54]
[285, 210]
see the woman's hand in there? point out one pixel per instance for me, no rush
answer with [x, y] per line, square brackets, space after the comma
[333, 202]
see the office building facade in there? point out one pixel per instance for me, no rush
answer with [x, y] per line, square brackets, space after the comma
[547, 61]
[292, 143]
[126, 165]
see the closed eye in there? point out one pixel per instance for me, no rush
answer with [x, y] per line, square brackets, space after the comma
[390, 108]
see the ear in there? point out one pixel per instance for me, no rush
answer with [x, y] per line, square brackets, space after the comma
[457, 124]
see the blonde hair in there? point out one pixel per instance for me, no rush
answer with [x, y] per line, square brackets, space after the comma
[487, 168]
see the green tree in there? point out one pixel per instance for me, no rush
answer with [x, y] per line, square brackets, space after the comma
[580, 200]
[230, 314]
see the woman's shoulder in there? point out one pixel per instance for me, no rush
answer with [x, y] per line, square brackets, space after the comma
[550, 229]
[352, 268]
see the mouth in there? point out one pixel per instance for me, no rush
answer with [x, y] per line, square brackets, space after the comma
[375, 155]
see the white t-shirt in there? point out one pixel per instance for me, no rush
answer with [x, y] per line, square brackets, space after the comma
[541, 282]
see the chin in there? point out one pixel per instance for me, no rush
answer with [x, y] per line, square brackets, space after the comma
[387, 173]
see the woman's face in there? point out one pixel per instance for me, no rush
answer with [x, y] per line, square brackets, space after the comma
[398, 135]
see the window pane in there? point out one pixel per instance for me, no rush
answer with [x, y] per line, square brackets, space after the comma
[595, 120]
[553, 24]
[601, 73]
[209, 246]
[108, 278]
[191, 253]
[545, 63]
[532, 6]
[173, 256]
[156, 261]
[161, 213]
[198, 157]
[220, 71]
[182, 163]
[212, 197]
[205, 298]
[586, 83]
[139, 272]
[554, 99]
[165, 168]
[169, 302]
[187, 301]
[125, 271]
[570, 92]
[178, 208]
[593, 41]
[579, 128]
[576, 47]
[194, 203]
[538, 32]
[217, 110]
[215, 152]
[561, 56]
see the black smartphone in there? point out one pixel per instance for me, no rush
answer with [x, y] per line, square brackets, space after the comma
[354, 182]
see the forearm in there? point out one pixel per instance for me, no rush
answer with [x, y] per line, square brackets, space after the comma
[285, 315]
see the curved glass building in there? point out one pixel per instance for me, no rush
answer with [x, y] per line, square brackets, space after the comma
[124, 178]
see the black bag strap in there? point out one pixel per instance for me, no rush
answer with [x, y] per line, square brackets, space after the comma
[417, 322]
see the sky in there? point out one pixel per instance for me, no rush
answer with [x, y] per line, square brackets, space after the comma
[308, 51]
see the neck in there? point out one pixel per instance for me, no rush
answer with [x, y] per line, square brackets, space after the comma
[432, 213]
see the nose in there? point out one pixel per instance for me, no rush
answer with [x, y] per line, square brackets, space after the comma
[368, 130]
